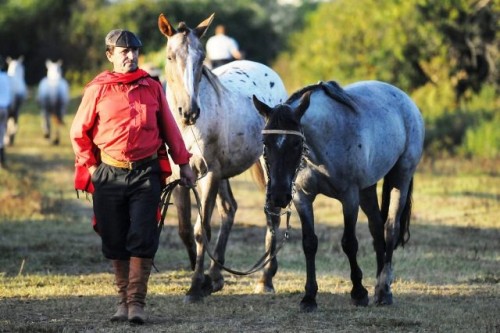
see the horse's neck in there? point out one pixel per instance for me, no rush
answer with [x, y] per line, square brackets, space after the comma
[16, 72]
[213, 81]
[54, 75]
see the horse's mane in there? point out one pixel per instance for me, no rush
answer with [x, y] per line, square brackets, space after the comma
[213, 80]
[182, 27]
[331, 88]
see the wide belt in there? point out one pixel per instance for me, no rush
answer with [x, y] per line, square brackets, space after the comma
[130, 165]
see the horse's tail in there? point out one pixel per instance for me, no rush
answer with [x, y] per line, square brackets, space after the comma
[404, 221]
[258, 175]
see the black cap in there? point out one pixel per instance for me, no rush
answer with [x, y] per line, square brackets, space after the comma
[122, 38]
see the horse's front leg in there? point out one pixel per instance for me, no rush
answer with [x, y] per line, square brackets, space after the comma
[182, 202]
[201, 284]
[350, 206]
[227, 206]
[265, 284]
[304, 208]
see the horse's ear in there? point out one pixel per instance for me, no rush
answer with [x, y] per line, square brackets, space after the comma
[47, 63]
[165, 27]
[203, 26]
[303, 105]
[263, 108]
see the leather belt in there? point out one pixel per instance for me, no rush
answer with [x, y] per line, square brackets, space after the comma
[130, 165]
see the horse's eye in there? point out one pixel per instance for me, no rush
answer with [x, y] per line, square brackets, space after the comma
[169, 58]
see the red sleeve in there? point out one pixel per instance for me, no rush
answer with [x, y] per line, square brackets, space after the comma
[81, 128]
[170, 133]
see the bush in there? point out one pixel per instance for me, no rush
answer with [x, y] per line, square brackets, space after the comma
[483, 140]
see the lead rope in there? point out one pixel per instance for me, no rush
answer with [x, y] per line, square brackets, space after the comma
[165, 203]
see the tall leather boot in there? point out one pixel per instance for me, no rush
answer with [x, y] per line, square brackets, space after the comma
[121, 269]
[140, 269]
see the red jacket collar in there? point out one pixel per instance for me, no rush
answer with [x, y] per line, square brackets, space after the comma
[108, 77]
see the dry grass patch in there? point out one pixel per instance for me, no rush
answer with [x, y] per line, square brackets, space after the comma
[53, 277]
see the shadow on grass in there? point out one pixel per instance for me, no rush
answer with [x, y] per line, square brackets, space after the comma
[416, 312]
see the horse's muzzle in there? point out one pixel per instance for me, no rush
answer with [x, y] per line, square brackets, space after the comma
[280, 199]
[190, 117]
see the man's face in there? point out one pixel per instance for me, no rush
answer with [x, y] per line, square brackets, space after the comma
[124, 59]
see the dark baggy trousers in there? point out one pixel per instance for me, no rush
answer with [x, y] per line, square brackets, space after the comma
[125, 207]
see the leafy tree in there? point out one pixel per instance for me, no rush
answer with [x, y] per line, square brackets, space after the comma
[350, 41]
[36, 30]
[443, 53]
[469, 30]
[74, 30]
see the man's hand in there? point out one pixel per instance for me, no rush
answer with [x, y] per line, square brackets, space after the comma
[188, 178]
[92, 169]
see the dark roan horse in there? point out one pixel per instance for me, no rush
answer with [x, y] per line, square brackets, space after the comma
[340, 143]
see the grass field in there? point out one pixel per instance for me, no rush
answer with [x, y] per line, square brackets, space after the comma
[53, 277]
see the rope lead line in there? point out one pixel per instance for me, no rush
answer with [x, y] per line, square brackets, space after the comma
[165, 203]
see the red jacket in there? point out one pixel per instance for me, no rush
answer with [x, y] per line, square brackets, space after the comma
[128, 117]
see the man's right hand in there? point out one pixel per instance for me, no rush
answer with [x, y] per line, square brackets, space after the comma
[92, 169]
[188, 178]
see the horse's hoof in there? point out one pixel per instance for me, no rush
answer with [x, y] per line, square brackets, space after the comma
[217, 285]
[216, 278]
[206, 287]
[359, 297]
[383, 299]
[308, 304]
[262, 288]
[193, 299]
[308, 307]
[360, 302]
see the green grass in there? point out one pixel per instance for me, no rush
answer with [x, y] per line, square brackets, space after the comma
[53, 277]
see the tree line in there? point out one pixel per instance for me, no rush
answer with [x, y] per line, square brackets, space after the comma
[74, 30]
[444, 53]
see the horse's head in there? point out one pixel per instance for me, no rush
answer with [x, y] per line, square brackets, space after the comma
[184, 66]
[283, 147]
[54, 69]
[16, 67]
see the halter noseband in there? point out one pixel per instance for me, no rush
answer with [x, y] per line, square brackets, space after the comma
[277, 131]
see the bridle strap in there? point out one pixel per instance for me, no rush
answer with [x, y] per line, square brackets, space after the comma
[278, 131]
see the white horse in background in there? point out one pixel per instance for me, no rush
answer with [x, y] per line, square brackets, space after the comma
[5, 102]
[53, 98]
[19, 93]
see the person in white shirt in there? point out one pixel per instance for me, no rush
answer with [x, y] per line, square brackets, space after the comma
[221, 48]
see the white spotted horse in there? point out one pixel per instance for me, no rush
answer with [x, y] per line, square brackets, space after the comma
[222, 128]
[340, 142]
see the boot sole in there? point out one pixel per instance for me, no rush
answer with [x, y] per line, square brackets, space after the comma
[118, 319]
[136, 320]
